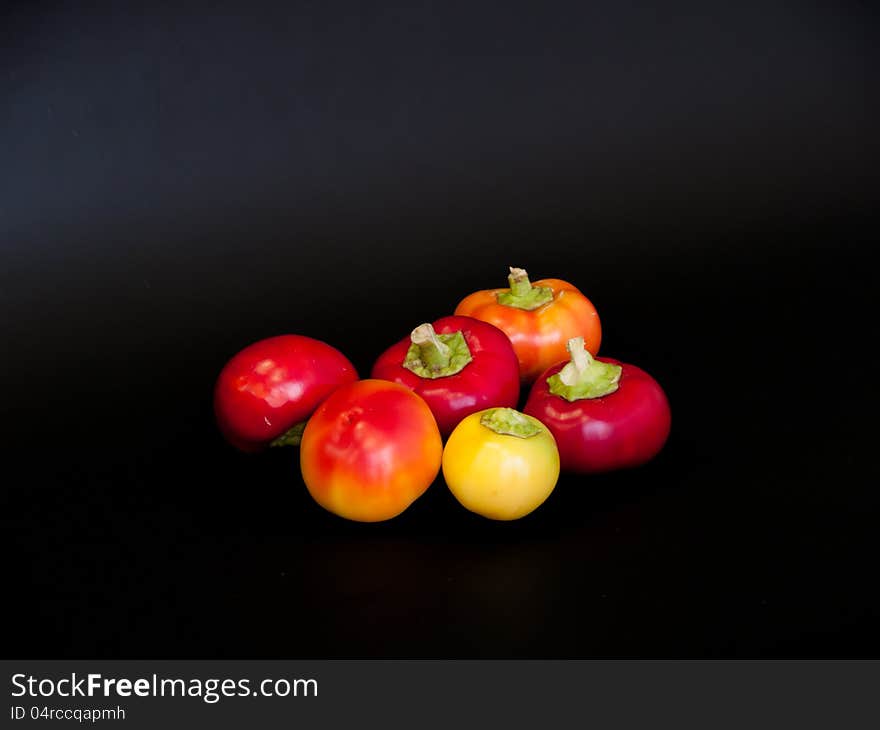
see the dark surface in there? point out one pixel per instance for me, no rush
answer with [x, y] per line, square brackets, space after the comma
[175, 186]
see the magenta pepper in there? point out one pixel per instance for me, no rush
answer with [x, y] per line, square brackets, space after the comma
[604, 414]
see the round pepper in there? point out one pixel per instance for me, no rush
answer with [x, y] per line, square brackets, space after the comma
[265, 393]
[458, 365]
[538, 318]
[501, 463]
[604, 414]
[370, 450]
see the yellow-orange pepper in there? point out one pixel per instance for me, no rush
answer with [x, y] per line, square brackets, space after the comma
[370, 450]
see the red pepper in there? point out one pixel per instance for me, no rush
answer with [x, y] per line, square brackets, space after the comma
[604, 414]
[265, 393]
[458, 365]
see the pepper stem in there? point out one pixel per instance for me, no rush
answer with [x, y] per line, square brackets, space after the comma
[435, 356]
[510, 422]
[291, 437]
[522, 295]
[519, 282]
[584, 376]
[580, 362]
[432, 351]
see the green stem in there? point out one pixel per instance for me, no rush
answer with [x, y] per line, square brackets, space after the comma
[519, 282]
[583, 376]
[510, 422]
[522, 295]
[432, 350]
[436, 356]
[291, 437]
[581, 361]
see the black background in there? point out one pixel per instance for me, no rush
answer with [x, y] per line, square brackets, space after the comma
[177, 184]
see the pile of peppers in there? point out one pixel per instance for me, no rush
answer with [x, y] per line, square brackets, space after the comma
[445, 399]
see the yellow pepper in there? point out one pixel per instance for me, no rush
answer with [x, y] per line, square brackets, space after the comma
[500, 463]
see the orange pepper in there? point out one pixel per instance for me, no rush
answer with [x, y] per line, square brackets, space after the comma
[539, 318]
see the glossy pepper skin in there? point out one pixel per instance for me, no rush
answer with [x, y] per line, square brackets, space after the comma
[370, 450]
[273, 385]
[490, 378]
[625, 428]
[540, 331]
